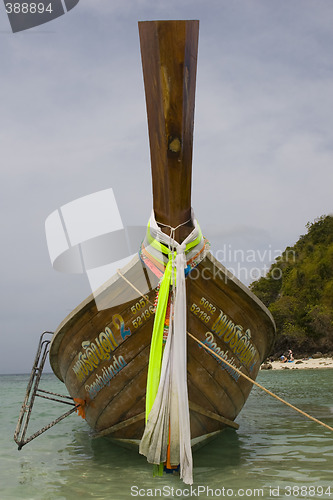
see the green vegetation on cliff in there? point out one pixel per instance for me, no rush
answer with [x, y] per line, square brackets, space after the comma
[298, 290]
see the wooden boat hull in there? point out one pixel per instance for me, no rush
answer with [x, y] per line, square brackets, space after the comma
[102, 355]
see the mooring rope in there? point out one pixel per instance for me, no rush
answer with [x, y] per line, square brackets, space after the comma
[238, 371]
[134, 287]
[260, 386]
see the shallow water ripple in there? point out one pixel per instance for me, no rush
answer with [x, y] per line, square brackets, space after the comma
[274, 448]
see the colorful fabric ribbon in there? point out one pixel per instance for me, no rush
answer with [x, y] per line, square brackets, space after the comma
[167, 431]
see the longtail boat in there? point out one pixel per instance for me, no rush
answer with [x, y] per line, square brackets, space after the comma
[159, 361]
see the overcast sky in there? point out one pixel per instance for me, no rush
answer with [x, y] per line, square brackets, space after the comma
[73, 122]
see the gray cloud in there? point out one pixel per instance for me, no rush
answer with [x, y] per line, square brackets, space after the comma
[73, 122]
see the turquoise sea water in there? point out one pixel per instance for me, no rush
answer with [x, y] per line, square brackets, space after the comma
[276, 453]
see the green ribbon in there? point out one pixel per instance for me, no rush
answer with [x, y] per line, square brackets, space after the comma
[164, 249]
[155, 355]
[156, 348]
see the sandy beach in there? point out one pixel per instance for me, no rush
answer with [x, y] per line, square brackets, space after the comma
[301, 364]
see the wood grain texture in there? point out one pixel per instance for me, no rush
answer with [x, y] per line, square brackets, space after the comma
[169, 61]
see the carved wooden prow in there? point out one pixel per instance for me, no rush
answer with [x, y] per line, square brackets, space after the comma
[169, 59]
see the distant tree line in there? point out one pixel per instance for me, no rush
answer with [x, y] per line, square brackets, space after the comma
[298, 290]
